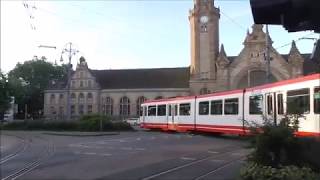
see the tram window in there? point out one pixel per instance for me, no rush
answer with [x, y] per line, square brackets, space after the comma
[184, 109]
[255, 104]
[204, 108]
[280, 103]
[269, 104]
[216, 107]
[161, 110]
[152, 110]
[316, 98]
[145, 110]
[231, 106]
[169, 109]
[298, 101]
[175, 110]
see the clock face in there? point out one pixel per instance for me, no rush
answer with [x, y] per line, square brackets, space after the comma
[204, 19]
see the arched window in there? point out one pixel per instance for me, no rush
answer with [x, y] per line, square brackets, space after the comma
[124, 106]
[81, 98]
[73, 98]
[108, 106]
[52, 99]
[204, 91]
[89, 98]
[140, 100]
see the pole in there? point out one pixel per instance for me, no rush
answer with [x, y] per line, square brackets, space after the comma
[70, 52]
[267, 54]
[68, 84]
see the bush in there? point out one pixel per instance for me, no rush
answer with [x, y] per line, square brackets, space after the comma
[254, 171]
[86, 123]
[121, 125]
[92, 122]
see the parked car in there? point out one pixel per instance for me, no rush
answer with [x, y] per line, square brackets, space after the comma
[133, 121]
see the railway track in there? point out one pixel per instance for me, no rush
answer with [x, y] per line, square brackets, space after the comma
[33, 153]
[183, 169]
[22, 147]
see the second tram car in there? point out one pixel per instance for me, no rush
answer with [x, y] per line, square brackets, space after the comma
[230, 112]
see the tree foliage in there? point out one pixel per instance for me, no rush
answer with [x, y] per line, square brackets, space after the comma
[4, 94]
[30, 79]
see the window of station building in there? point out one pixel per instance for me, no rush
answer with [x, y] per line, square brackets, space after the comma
[89, 109]
[298, 101]
[269, 104]
[280, 103]
[89, 97]
[152, 110]
[204, 108]
[81, 98]
[161, 110]
[89, 83]
[316, 100]
[108, 106]
[124, 106]
[73, 109]
[216, 107]
[61, 98]
[255, 104]
[52, 99]
[81, 109]
[184, 109]
[231, 106]
[81, 83]
[73, 97]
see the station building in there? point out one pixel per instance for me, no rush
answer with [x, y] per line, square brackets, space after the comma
[119, 93]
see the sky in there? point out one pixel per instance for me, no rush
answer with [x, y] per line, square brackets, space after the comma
[119, 34]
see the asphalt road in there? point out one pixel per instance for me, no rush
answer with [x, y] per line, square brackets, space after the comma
[128, 155]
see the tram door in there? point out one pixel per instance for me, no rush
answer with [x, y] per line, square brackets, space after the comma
[172, 116]
[274, 106]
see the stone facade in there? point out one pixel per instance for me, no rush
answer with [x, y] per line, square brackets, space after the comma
[120, 92]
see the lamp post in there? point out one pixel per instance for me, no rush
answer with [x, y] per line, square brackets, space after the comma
[71, 52]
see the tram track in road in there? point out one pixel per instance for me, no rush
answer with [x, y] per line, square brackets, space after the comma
[26, 164]
[22, 147]
[173, 172]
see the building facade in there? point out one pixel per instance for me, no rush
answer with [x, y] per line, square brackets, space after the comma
[119, 93]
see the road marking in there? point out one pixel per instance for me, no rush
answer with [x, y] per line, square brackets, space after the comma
[213, 152]
[217, 160]
[138, 139]
[90, 153]
[126, 148]
[140, 149]
[106, 154]
[188, 158]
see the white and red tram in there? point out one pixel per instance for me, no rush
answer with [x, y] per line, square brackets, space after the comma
[227, 112]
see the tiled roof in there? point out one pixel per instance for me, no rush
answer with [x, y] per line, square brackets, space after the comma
[143, 78]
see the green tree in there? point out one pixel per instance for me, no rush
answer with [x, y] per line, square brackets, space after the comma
[30, 79]
[4, 94]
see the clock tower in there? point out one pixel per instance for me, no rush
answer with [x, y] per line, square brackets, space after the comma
[204, 30]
